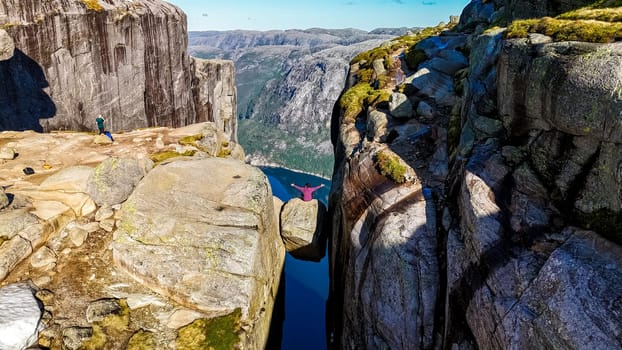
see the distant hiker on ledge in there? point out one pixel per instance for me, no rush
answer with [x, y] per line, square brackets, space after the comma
[100, 124]
[307, 191]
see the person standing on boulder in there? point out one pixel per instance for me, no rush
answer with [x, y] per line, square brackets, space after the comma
[307, 191]
[100, 124]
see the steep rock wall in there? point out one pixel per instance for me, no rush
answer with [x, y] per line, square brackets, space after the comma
[124, 60]
[520, 177]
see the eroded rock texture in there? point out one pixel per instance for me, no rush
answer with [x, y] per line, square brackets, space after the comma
[210, 243]
[125, 60]
[511, 194]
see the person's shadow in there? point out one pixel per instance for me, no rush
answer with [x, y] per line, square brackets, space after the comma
[22, 98]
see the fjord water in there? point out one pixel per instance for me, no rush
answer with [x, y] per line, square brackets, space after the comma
[305, 282]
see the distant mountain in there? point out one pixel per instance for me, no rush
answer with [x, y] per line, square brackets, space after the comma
[288, 82]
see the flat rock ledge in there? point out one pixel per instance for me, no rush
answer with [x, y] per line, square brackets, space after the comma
[204, 233]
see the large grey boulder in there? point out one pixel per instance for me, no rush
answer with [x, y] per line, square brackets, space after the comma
[449, 66]
[558, 88]
[400, 106]
[302, 229]
[20, 315]
[203, 232]
[575, 299]
[476, 13]
[21, 232]
[527, 295]
[434, 84]
[113, 180]
[377, 122]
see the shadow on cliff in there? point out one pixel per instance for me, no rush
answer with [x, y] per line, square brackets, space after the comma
[22, 98]
[453, 301]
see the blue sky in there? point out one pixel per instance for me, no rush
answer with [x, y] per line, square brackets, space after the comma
[303, 14]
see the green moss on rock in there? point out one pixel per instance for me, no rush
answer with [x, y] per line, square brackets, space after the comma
[605, 222]
[190, 140]
[142, 340]
[414, 57]
[390, 166]
[598, 23]
[110, 330]
[158, 158]
[567, 30]
[220, 333]
[92, 5]
[352, 101]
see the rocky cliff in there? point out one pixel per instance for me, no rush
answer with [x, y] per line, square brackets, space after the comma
[476, 196]
[127, 244]
[126, 60]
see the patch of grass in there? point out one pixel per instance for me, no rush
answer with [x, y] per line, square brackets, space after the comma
[158, 158]
[8, 25]
[606, 3]
[355, 99]
[389, 165]
[365, 75]
[352, 101]
[109, 330]
[375, 97]
[600, 22]
[220, 333]
[142, 340]
[567, 30]
[190, 140]
[368, 57]
[597, 14]
[604, 221]
[224, 152]
[414, 57]
[92, 5]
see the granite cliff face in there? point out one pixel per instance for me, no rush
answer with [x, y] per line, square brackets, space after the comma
[125, 60]
[477, 204]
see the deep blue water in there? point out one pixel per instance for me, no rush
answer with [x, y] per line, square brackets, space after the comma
[306, 282]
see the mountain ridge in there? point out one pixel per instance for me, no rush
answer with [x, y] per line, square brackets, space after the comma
[287, 83]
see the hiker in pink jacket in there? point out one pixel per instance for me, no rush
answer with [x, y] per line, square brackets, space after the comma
[307, 191]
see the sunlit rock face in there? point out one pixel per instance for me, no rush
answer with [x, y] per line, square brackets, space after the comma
[125, 60]
[189, 247]
[384, 264]
[210, 243]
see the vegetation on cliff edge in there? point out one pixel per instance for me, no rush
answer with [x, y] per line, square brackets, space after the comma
[92, 5]
[600, 22]
[158, 158]
[389, 165]
[371, 88]
[220, 333]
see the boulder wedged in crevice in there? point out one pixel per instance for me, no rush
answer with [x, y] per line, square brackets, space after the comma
[302, 229]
